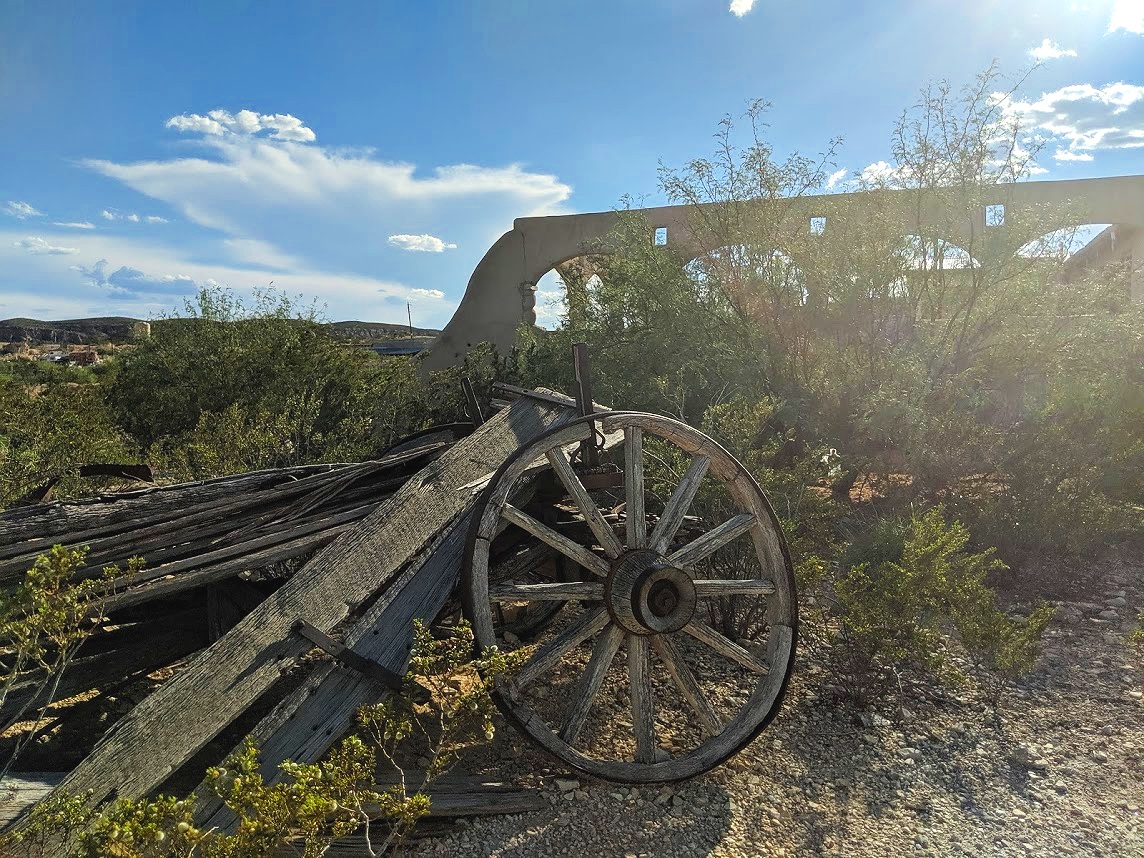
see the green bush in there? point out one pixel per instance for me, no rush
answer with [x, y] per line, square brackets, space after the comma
[47, 432]
[904, 588]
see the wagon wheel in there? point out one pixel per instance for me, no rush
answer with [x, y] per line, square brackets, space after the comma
[687, 695]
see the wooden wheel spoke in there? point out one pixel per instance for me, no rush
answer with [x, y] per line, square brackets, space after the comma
[634, 487]
[547, 656]
[678, 504]
[643, 706]
[710, 542]
[572, 550]
[600, 528]
[590, 681]
[685, 681]
[706, 588]
[559, 591]
[724, 646]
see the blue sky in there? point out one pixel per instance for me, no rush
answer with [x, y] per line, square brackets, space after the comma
[366, 154]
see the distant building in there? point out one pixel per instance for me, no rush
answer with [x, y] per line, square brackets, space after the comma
[84, 357]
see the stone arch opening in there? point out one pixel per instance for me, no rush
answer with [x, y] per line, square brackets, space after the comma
[1058, 245]
[754, 276]
[561, 289]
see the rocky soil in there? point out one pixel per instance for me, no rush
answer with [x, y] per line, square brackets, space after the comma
[1055, 769]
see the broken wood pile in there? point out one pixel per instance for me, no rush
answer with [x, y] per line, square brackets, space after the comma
[391, 536]
[211, 552]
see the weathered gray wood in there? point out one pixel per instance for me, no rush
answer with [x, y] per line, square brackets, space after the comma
[704, 546]
[600, 528]
[559, 591]
[707, 588]
[189, 579]
[30, 530]
[239, 548]
[685, 681]
[117, 526]
[724, 646]
[308, 721]
[634, 487]
[591, 679]
[571, 550]
[168, 727]
[546, 656]
[678, 504]
[19, 791]
[643, 706]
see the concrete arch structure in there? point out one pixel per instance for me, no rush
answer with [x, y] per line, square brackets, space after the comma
[501, 293]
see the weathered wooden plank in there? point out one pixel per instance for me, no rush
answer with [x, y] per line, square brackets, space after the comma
[634, 487]
[103, 522]
[19, 791]
[643, 703]
[168, 727]
[30, 529]
[307, 722]
[572, 550]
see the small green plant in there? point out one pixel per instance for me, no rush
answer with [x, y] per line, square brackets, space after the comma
[43, 621]
[444, 703]
[905, 588]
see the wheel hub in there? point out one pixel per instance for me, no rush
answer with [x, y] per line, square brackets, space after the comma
[646, 595]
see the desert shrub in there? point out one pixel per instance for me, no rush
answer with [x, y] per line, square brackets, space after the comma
[44, 619]
[270, 357]
[904, 588]
[46, 432]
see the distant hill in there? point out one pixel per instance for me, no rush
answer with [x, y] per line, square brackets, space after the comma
[377, 331]
[123, 329]
[102, 329]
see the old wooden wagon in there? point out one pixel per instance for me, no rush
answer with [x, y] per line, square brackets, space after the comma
[569, 530]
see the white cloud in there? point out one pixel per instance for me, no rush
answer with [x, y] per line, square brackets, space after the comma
[218, 123]
[432, 294]
[21, 210]
[1050, 50]
[1127, 15]
[37, 245]
[1066, 155]
[75, 224]
[112, 214]
[878, 173]
[1087, 118]
[116, 274]
[834, 178]
[325, 207]
[739, 8]
[423, 243]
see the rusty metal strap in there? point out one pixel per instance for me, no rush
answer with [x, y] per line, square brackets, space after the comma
[348, 657]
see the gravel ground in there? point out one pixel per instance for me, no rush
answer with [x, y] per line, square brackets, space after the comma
[1059, 772]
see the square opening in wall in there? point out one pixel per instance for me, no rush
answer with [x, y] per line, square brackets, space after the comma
[818, 225]
[659, 237]
[995, 215]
